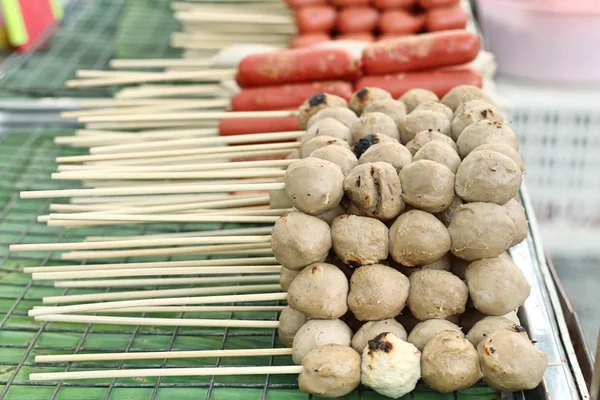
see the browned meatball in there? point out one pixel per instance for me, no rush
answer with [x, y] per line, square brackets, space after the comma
[365, 96]
[360, 240]
[414, 97]
[424, 137]
[341, 114]
[340, 155]
[418, 121]
[463, 93]
[328, 127]
[394, 109]
[375, 122]
[394, 154]
[436, 294]
[472, 112]
[316, 103]
[487, 325]
[485, 132]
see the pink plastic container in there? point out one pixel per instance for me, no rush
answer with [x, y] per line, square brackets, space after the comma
[545, 40]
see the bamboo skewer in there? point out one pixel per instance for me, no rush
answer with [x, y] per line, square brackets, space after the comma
[201, 76]
[150, 125]
[165, 281]
[162, 63]
[192, 116]
[153, 355]
[163, 372]
[161, 91]
[231, 174]
[197, 309]
[239, 18]
[160, 293]
[171, 301]
[220, 232]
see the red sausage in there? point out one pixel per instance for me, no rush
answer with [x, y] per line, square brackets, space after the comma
[400, 22]
[229, 127]
[308, 40]
[443, 19]
[305, 3]
[349, 3]
[315, 19]
[389, 36]
[438, 81]
[297, 65]
[359, 36]
[286, 96]
[393, 4]
[429, 4]
[357, 19]
[418, 52]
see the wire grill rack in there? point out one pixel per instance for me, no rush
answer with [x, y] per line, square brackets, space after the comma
[26, 161]
[93, 31]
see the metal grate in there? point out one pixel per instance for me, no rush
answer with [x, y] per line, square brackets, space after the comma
[92, 32]
[26, 160]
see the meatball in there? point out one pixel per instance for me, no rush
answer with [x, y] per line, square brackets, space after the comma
[436, 294]
[290, 321]
[319, 291]
[471, 316]
[394, 109]
[359, 240]
[418, 121]
[341, 114]
[365, 143]
[316, 103]
[340, 155]
[511, 362]
[298, 240]
[485, 132]
[496, 286]
[279, 199]
[314, 186]
[516, 212]
[441, 153]
[446, 215]
[390, 366]
[470, 113]
[424, 137]
[418, 238]
[488, 176]
[320, 141]
[319, 332]
[374, 188]
[487, 325]
[394, 154]
[480, 230]
[328, 127]
[462, 94]
[443, 264]
[330, 215]
[424, 331]
[435, 106]
[372, 329]
[504, 149]
[374, 123]
[286, 276]
[427, 185]
[365, 96]
[330, 371]
[414, 97]
[449, 362]
[377, 292]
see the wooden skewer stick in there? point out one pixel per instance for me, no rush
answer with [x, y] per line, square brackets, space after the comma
[231, 174]
[138, 201]
[141, 190]
[191, 250]
[162, 63]
[164, 281]
[214, 323]
[121, 244]
[117, 103]
[160, 293]
[220, 232]
[163, 372]
[192, 116]
[161, 91]
[139, 269]
[238, 18]
[211, 75]
[171, 301]
[196, 309]
[126, 126]
[160, 355]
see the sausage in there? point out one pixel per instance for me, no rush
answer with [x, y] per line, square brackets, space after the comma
[315, 19]
[443, 19]
[308, 40]
[244, 126]
[418, 52]
[349, 3]
[438, 81]
[305, 3]
[429, 4]
[357, 19]
[400, 22]
[297, 65]
[286, 96]
[389, 36]
[393, 4]
[358, 36]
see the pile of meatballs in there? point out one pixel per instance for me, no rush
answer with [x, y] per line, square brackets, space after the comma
[395, 257]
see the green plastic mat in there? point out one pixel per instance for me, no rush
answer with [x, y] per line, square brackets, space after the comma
[26, 161]
[93, 32]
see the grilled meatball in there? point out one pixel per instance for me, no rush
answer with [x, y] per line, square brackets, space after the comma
[414, 97]
[436, 294]
[316, 103]
[319, 332]
[365, 96]
[372, 329]
[424, 331]
[360, 240]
